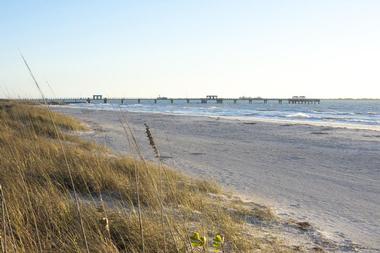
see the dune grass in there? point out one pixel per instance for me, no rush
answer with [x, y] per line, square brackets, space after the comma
[125, 205]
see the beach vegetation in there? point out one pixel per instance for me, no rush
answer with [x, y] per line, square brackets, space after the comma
[60, 193]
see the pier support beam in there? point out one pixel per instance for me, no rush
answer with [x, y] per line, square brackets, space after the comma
[235, 101]
[204, 101]
[250, 101]
[280, 101]
[188, 101]
[171, 101]
[265, 101]
[138, 101]
[219, 101]
[105, 100]
[155, 101]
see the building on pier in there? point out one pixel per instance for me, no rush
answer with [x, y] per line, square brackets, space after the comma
[97, 97]
[212, 97]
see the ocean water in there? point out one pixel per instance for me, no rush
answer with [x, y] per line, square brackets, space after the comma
[363, 114]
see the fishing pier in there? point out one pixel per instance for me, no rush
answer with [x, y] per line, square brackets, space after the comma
[207, 99]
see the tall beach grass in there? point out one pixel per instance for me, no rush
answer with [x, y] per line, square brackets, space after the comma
[125, 204]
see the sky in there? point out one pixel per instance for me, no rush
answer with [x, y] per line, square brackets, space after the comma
[272, 48]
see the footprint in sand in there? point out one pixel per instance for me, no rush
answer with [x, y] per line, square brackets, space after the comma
[197, 153]
[318, 132]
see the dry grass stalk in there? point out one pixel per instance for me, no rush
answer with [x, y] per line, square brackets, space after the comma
[153, 181]
[151, 141]
[133, 143]
[156, 151]
[157, 155]
[63, 152]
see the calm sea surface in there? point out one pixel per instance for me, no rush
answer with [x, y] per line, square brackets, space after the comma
[351, 113]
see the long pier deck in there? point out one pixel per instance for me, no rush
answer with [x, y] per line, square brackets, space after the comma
[100, 99]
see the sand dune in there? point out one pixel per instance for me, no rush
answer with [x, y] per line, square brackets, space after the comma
[327, 176]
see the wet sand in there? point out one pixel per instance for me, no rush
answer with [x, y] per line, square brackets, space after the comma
[327, 176]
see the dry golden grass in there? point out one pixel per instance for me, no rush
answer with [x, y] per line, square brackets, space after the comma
[38, 210]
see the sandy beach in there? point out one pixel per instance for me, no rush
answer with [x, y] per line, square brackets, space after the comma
[326, 176]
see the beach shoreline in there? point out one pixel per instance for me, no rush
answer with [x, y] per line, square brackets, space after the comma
[316, 173]
[294, 120]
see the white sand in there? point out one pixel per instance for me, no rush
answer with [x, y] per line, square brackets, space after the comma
[327, 176]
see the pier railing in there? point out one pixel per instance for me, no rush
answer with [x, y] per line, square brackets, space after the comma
[173, 100]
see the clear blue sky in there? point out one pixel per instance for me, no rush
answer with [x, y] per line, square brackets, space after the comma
[319, 48]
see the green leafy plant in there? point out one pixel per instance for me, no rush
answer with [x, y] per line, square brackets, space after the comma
[218, 243]
[198, 241]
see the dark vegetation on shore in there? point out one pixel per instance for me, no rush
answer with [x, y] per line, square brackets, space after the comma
[60, 193]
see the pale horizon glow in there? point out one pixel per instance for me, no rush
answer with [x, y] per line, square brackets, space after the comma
[321, 49]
